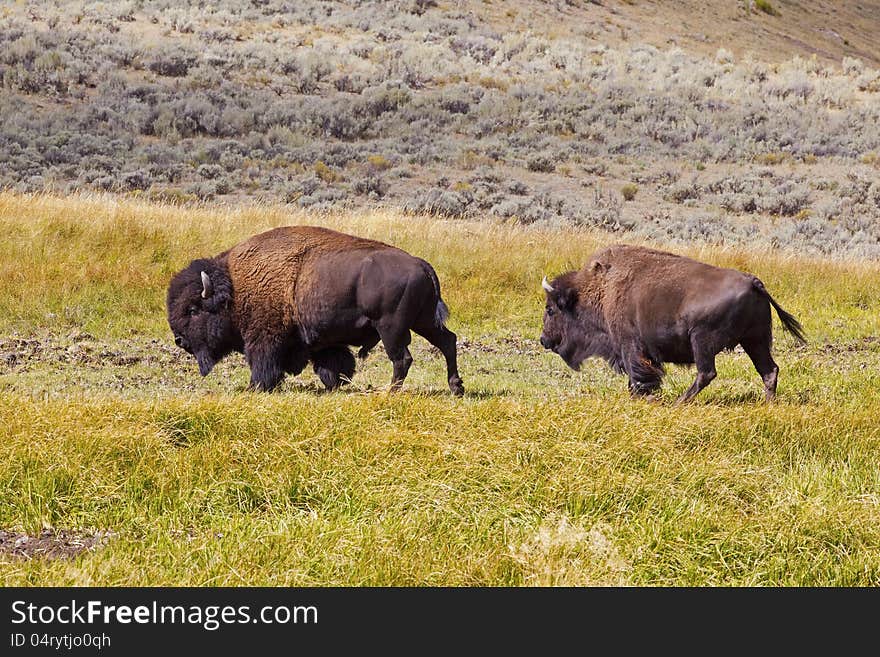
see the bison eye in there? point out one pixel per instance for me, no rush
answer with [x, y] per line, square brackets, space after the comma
[193, 311]
[549, 312]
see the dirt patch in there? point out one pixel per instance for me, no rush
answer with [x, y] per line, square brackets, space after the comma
[867, 343]
[516, 344]
[19, 354]
[50, 543]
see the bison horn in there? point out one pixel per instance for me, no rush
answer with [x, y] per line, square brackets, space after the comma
[207, 286]
[546, 285]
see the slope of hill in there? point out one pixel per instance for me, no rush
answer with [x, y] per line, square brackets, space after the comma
[720, 122]
[770, 31]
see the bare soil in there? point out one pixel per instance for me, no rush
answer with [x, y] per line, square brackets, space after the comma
[50, 543]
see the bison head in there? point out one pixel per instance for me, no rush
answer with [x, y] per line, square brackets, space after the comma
[199, 305]
[573, 327]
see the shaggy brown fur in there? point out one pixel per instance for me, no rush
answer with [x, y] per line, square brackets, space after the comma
[301, 293]
[639, 308]
[280, 264]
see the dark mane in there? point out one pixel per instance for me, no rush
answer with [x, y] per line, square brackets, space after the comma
[565, 280]
[187, 284]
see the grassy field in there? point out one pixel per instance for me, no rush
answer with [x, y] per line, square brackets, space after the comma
[538, 476]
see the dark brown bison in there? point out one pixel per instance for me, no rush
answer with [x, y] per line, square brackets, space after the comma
[639, 308]
[298, 294]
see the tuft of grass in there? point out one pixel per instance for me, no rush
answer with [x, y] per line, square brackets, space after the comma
[629, 191]
[378, 162]
[871, 157]
[325, 173]
[767, 7]
[773, 158]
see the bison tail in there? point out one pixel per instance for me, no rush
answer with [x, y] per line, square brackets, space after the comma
[441, 313]
[441, 310]
[788, 320]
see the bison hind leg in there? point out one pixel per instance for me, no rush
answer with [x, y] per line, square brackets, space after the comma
[759, 351]
[334, 366]
[705, 350]
[445, 340]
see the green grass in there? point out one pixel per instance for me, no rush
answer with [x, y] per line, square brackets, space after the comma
[767, 7]
[539, 476]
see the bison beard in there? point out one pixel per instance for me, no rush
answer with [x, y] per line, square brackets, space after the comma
[206, 362]
[639, 308]
[298, 294]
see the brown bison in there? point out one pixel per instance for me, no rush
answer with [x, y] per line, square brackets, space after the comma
[298, 294]
[639, 308]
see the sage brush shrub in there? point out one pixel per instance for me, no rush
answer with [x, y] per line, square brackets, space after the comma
[441, 203]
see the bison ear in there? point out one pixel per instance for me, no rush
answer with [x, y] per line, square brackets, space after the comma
[567, 298]
[599, 267]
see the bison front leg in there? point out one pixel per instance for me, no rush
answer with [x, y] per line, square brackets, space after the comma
[645, 376]
[368, 344]
[266, 363]
[334, 366]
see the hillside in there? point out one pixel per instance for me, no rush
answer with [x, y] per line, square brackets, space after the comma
[767, 31]
[716, 122]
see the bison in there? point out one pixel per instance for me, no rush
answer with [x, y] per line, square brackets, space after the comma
[300, 293]
[639, 308]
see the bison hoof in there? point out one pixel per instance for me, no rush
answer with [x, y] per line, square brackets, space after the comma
[457, 387]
